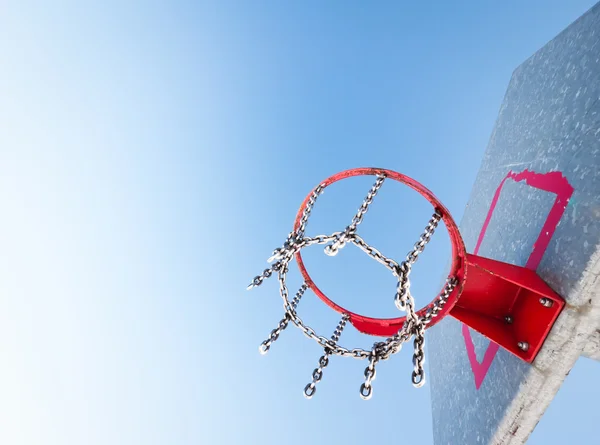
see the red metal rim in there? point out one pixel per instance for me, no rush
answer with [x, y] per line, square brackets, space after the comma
[389, 326]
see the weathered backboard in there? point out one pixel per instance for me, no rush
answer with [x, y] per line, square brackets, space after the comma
[535, 203]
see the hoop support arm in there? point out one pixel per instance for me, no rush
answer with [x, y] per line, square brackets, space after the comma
[510, 305]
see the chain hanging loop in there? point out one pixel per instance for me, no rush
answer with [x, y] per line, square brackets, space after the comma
[403, 270]
[308, 209]
[317, 375]
[274, 335]
[418, 374]
[339, 243]
[366, 389]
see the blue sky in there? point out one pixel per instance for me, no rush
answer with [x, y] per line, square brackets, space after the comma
[153, 154]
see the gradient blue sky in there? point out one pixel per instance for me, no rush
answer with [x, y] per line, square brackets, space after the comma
[152, 155]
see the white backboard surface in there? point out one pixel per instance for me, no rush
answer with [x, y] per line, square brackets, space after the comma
[544, 152]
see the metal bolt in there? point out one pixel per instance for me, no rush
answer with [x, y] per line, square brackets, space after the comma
[508, 319]
[546, 302]
[523, 346]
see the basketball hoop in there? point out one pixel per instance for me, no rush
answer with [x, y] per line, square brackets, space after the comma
[488, 273]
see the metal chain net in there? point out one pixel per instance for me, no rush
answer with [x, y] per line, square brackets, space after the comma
[414, 325]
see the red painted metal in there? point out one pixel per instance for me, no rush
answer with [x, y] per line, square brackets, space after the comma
[488, 293]
[502, 302]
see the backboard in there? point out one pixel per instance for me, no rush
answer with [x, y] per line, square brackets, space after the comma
[535, 203]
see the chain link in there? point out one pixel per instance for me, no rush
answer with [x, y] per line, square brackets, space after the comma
[283, 323]
[424, 238]
[418, 375]
[405, 301]
[258, 280]
[307, 330]
[279, 252]
[404, 269]
[285, 254]
[366, 390]
[339, 243]
[435, 308]
[392, 265]
[317, 375]
[308, 208]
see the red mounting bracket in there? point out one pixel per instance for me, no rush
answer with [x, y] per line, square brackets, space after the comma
[510, 305]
